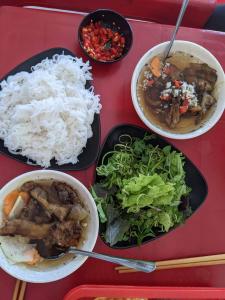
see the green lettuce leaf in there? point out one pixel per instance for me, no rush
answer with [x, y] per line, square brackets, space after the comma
[143, 191]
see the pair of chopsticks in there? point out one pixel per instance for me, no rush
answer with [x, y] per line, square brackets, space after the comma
[19, 290]
[200, 261]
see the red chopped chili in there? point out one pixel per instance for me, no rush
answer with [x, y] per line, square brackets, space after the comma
[102, 43]
[177, 83]
[186, 102]
[183, 109]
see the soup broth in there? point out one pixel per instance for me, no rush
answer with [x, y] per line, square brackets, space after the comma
[187, 122]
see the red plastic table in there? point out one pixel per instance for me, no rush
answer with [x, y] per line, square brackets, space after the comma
[25, 32]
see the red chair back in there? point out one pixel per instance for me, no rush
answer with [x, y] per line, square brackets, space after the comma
[160, 11]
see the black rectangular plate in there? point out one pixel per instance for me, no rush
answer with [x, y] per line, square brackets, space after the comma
[90, 153]
[194, 178]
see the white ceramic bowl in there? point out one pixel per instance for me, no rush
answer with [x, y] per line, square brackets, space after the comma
[57, 271]
[206, 57]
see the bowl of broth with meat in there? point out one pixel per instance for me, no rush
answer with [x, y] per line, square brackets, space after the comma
[181, 97]
[42, 214]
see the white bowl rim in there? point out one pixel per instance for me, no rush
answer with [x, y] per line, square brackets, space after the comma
[57, 275]
[139, 111]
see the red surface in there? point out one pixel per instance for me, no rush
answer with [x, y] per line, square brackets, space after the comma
[159, 11]
[25, 32]
[91, 291]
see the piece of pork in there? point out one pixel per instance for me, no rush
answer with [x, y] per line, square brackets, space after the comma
[65, 234]
[195, 109]
[207, 102]
[51, 191]
[52, 209]
[175, 73]
[173, 116]
[77, 213]
[201, 84]
[28, 186]
[152, 96]
[202, 75]
[61, 236]
[25, 228]
[66, 194]
[205, 72]
[35, 212]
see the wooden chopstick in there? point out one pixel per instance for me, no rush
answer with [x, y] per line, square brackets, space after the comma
[199, 261]
[16, 290]
[19, 290]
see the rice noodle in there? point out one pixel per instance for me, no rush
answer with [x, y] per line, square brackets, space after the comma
[48, 113]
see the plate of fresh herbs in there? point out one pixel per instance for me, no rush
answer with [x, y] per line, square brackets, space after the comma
[144, 187]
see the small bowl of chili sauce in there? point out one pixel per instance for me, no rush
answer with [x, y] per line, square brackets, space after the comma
[105, 36]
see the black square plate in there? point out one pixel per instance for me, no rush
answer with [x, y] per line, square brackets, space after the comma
[194, 178]
[90, 153]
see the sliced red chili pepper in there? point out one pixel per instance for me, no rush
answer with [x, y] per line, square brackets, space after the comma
[104, 31]
[177, 83]
[110, 35]
[122, 40]
[113, 50]
[116, 38]
[186, 102]
[183, 109]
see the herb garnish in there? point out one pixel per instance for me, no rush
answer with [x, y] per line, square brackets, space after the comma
[140, 190]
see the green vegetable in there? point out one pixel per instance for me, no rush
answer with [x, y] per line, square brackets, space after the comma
[144, 191]
[140, 190]
[116, 226]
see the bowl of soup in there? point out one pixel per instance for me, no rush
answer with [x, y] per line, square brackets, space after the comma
[42, 214]
[181, 97]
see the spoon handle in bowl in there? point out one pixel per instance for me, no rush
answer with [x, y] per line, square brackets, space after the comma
[140, 265]
[179, 20]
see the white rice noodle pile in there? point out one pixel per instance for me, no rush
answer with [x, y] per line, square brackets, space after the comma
[48, 113]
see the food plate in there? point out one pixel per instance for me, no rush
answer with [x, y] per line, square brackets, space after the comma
[89, 154]
[194, 178]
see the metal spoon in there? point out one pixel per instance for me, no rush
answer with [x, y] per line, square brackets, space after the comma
[180, 18]
[140, 265]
